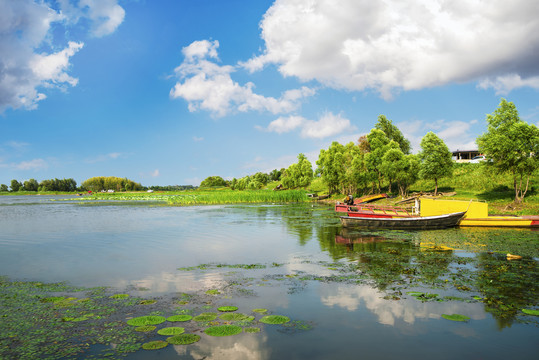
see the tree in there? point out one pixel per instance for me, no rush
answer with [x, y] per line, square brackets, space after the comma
[393, 133]
[15, 185]
[31, 185]
[299, 174]
[379, 144]
[331, 166]
[435, 159]
[213, 181]
[3, 188]
[393, 162]
[511, 146]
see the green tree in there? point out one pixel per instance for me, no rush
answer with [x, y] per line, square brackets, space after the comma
[31, 185]
[15, 185]
[379, 144]
[213, 181]
[331, 166]
[393, 162]
[435, 159]
[393, 133]
[4, 188]
[299, 174]
[511, 146]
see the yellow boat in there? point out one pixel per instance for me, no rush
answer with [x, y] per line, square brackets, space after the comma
[476, 213]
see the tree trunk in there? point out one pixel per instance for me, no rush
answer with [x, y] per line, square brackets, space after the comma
[435, 186]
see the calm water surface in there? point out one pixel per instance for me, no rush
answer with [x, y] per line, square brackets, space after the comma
[350, 286]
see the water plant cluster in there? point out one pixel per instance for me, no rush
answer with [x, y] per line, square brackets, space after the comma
[56, 321]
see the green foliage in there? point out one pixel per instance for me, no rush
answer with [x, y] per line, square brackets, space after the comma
[455, 317]
[227, 308]
[179, 318]
[298, 175]
[100, 183]
[393, 133]
[511, 146]
[172, 330]
[223, 330]
[531, 312]
[154, 345]
[204, 317]
[4, 188]
[342, 168]
[183, 339]
[146, 320]
[275, 319]
[65, 185]
[435, 159]
[379, 145]
[15, 185]
[213, 181]
[31, 185]
[145, 328]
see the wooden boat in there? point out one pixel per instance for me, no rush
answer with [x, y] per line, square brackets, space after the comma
[404, 222]
[476, 214]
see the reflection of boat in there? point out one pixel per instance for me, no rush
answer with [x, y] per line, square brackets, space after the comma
[358, 239]
[403, 222]
[476, 213]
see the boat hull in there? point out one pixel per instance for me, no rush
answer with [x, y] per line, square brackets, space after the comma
[404, 223]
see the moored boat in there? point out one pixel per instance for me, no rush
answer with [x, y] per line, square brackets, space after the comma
[404, 223]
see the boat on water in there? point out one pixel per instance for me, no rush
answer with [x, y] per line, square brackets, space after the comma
[476, 213]
[403, 222]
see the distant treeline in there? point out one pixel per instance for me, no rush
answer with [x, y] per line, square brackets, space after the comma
[66, 185]
[170, 187]
[106, 183]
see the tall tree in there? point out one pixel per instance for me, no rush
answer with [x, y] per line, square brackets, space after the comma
[31, 185]
[435, 159]
[15, 185]
[511, 146]
[393, 133]
[379, 144]
[299, 174]
[331, 166]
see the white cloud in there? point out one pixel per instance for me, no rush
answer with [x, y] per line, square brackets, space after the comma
[455, 134]
[25, 27]
[35, 164]
[391, 45]
[155, 173]
[106, 157]
[197, 139]
[206, 85]
[328, 125]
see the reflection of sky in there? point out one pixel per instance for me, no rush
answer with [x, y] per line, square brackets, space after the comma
[390, 312]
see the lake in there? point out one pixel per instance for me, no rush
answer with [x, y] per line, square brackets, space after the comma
[348, 294]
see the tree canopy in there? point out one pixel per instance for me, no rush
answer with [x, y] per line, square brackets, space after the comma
[435, 159]
[511, 146]
[299, 174]
[393, 133]
[211, 181]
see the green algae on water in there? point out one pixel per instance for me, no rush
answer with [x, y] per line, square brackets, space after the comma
[223, 330]
[213, 292]
[274, 319]
[146, 320]
[172, 330]
[183, 339]
[119, 296]
[154, 345]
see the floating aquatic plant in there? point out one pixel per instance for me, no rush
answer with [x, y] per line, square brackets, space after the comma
[178, 318]
[172, 330]
[235, 317]
[146, 320]
[251, 330]
[147, 302]
[455, 317]
[145, 328]
[223, 330]
[530, 312]
[227, 308]
[213, 292]
[154, 345]
[183, 339]
[208, 316]
[274, 319]
[119, 296]
[260, 311]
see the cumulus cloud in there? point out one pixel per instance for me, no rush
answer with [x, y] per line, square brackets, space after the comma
[391, 45]
[329, 124]
[35, 164]
[206, 85]
[29, 63]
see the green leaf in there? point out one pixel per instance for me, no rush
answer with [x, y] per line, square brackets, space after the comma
[455, 317]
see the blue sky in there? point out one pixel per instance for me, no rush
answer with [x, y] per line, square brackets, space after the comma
[168, 92]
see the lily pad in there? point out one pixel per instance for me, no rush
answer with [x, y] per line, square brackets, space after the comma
[251, 330]
[223, 330]
[205, 317]
[145, 328]
[119, 296]
[275, 319]
[178, 318]
[455, 317]
[154, 345]
[172, 330]
[146, 320]
[213, 292]
[183, 339]
[234, 317]
[530, 312]
[227, 308]
[147, 302]
[260, 311]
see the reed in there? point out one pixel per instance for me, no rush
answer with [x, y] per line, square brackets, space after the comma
[238, 197]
